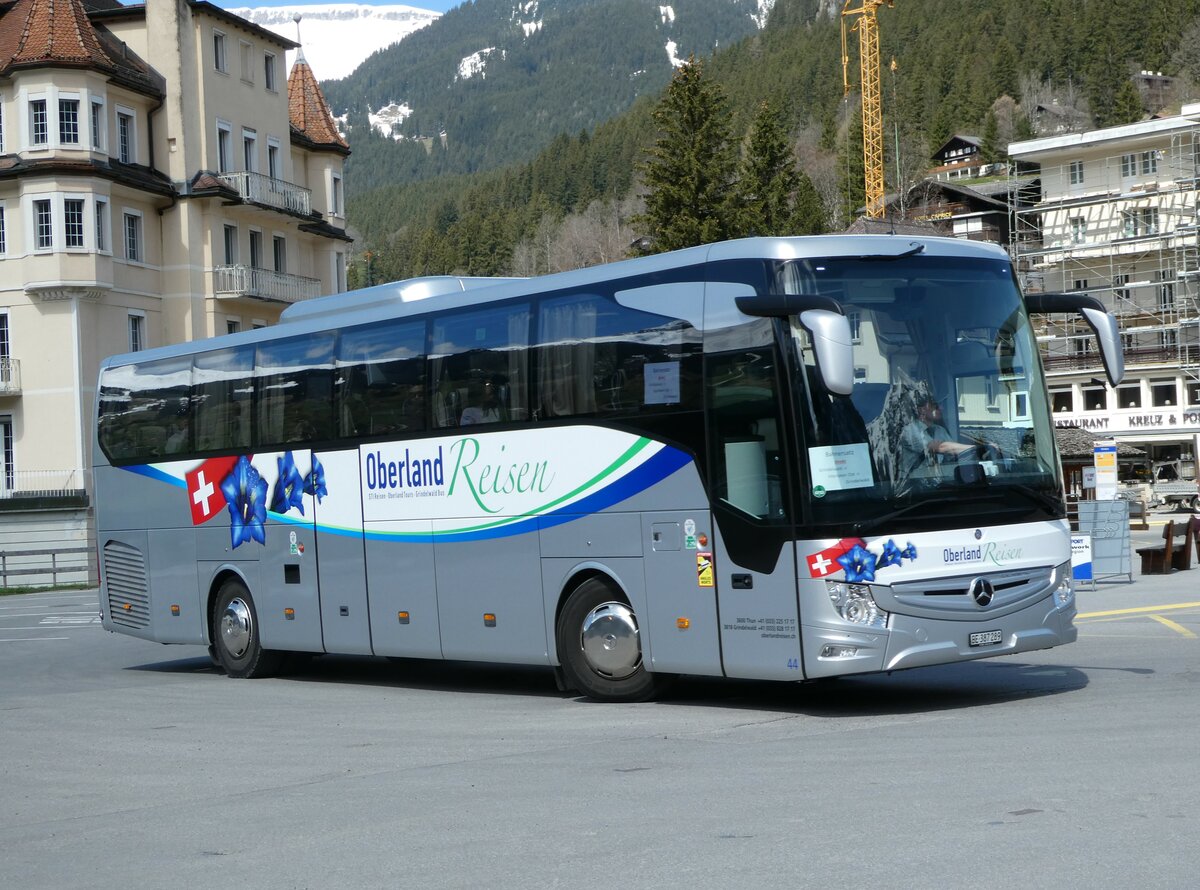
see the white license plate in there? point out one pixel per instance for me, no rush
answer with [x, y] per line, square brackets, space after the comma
[986, 638]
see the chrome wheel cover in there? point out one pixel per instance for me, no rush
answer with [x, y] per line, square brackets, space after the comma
[237, 627]
[609, 640]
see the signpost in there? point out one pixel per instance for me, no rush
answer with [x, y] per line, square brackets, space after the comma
[1104, 456]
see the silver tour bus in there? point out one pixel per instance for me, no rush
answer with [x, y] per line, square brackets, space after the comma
[775, 458]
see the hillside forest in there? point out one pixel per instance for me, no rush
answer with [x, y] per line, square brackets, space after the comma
[785, 141]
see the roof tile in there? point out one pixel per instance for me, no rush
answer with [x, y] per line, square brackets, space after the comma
[307, 108]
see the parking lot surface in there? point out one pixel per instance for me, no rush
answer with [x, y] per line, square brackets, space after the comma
[130, 764]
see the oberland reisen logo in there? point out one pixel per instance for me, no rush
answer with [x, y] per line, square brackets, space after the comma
[982, 591]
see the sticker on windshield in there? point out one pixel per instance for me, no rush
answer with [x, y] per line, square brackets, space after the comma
[837, 467]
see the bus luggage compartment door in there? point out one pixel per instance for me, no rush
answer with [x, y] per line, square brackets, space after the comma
[680, 595]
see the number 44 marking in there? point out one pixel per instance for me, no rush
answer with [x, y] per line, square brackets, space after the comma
[793, 664]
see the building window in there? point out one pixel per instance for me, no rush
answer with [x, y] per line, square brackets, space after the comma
[137, 333]
[1169, 338]
[231, 245]
[1150, 162]
[3, 233]
[43, 225]
[133, 237]
[336, 196]
[39, 128]
[1078, 229]
[1079, 284]
[1164, 393]
[255, 249]
[1, 124]
[1062, 400]
[73, 221]
[1129, 396]
[339, 272]
[97, 120]
[1076, 172]
[6, 432]
[219, 52]
[233, 325]
[68, 121]
[224, 146]
[249, 151]
[273, 169]
[855, 320]
[1193, 393]
[247, 51]
[1120, 292]
[1095, 399]
[125, 138]
[1128, 166]
[101, 225]
[1139, 221]
[279, 249]
[269, 71]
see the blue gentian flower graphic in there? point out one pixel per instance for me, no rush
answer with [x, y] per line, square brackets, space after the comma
[891, 556]
[314, 482]
[289, 487]
[910, 552]
[859, 564]
[246, 493]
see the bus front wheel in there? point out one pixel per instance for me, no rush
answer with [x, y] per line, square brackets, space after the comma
[236, 636]
[599, 646]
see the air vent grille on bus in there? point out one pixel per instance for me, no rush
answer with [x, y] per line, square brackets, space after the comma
[125, 575]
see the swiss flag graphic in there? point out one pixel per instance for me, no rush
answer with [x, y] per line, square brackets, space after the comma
[204, 488]
[825, 562]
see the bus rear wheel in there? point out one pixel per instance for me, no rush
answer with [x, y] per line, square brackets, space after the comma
[236, 636]
[599, 646]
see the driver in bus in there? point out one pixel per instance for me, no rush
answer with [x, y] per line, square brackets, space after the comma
[925, 440]
[484, 407]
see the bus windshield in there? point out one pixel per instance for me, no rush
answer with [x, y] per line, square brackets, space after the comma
[947, 420]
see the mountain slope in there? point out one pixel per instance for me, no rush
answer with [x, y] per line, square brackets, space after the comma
[492, 82]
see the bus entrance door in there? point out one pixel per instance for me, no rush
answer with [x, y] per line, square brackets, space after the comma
[334, 486]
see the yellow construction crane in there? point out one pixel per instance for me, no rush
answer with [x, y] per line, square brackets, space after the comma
[872, 112]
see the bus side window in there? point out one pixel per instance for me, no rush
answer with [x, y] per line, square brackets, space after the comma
[478, 366]
[379, 380]
[596, 356]
[293, 389]
[222, 386]
[144, 405]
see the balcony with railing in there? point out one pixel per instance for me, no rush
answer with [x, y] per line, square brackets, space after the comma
[10, 377]
[257, 188]
[263, 284]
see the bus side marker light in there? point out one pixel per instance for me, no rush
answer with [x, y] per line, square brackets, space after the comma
[489, 620]
[683, 623]
[175, 610]
[289, 614]
[402, 617]
[127, 606]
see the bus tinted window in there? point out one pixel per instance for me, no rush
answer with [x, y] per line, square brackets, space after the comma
[379, 382]
[144, 410]
[598, 357]
[478, 366]
[222, 388]
[293, 386]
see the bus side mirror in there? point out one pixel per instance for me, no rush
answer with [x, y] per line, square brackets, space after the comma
[831, 342]
[824, 319]
[1102, 323]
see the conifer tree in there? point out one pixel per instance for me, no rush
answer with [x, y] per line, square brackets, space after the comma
[767, 184]
[690, 168]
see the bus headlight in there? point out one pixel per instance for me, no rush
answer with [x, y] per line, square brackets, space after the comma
[855, 604]
[1063, 585]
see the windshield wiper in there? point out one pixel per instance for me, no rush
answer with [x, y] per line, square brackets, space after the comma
[872, 524]
[1051, 504]
[875, 257]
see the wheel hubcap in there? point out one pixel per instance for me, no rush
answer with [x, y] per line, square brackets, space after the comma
[609, 639]
[236, 627]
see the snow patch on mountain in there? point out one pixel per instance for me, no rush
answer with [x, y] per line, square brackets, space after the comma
[764, 10]
[337, 38]
[476, 63]
[667, 14]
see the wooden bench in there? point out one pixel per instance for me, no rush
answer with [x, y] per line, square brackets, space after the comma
[1182, 557]
[1175, 552]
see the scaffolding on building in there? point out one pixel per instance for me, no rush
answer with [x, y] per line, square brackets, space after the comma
[1132, 238]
